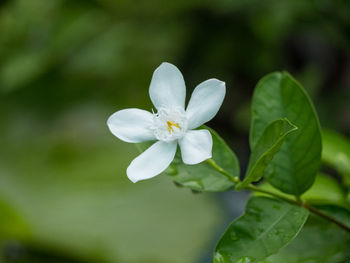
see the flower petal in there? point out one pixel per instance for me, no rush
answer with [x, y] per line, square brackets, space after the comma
[196, 146]
[132, 125]
[205, 102]
[152, 162]
[167, 89]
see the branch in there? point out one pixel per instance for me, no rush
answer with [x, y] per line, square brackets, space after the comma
[298, 202]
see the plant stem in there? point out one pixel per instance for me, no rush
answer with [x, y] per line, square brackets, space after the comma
[278, 196]
[298, 201]
[234, 179]
[302, 204]
[325, 216]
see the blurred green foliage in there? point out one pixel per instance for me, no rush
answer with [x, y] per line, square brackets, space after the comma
[65, 66]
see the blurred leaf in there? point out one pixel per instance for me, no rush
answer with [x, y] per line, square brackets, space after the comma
[267, 226]
[202, 176]
[12, 225]
[265, 149]
[32, 61]
[21, 69]
[294, 167]
[67, 179]
[316, 243]
[336, 153]
[15, 252]
[325, 190]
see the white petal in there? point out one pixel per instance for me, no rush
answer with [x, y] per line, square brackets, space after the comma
[196, 146]
[152, 162]
[205, 102]
[132, 125]
[167, 89]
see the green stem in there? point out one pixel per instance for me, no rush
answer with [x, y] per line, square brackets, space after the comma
[278, 196]
[325, 216]
[298, 201]
[301, 203]
[234, 179]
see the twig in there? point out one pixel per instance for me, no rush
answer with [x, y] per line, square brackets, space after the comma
[298, 200]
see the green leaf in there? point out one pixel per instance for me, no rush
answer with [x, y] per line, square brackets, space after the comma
[267, 226]
[202, 176]
[265, 149]
[323, 242]
[325, 190]
[294, 167]
[336, 153]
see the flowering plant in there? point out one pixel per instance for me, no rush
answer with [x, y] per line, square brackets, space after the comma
[286, 150]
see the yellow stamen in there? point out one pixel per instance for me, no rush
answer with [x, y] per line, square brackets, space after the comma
[171, 124]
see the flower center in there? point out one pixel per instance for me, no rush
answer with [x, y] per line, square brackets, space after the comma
[169, 124]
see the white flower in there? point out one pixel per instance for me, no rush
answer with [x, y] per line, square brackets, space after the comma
[172, 124]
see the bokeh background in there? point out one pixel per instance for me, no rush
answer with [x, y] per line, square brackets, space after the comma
[65, 66]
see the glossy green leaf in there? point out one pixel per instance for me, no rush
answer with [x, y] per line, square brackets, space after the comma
[325, 190]
[294, 167]
[265, 149]
[317, 243]
[336, 153]
[267, 226]
[202, 176]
